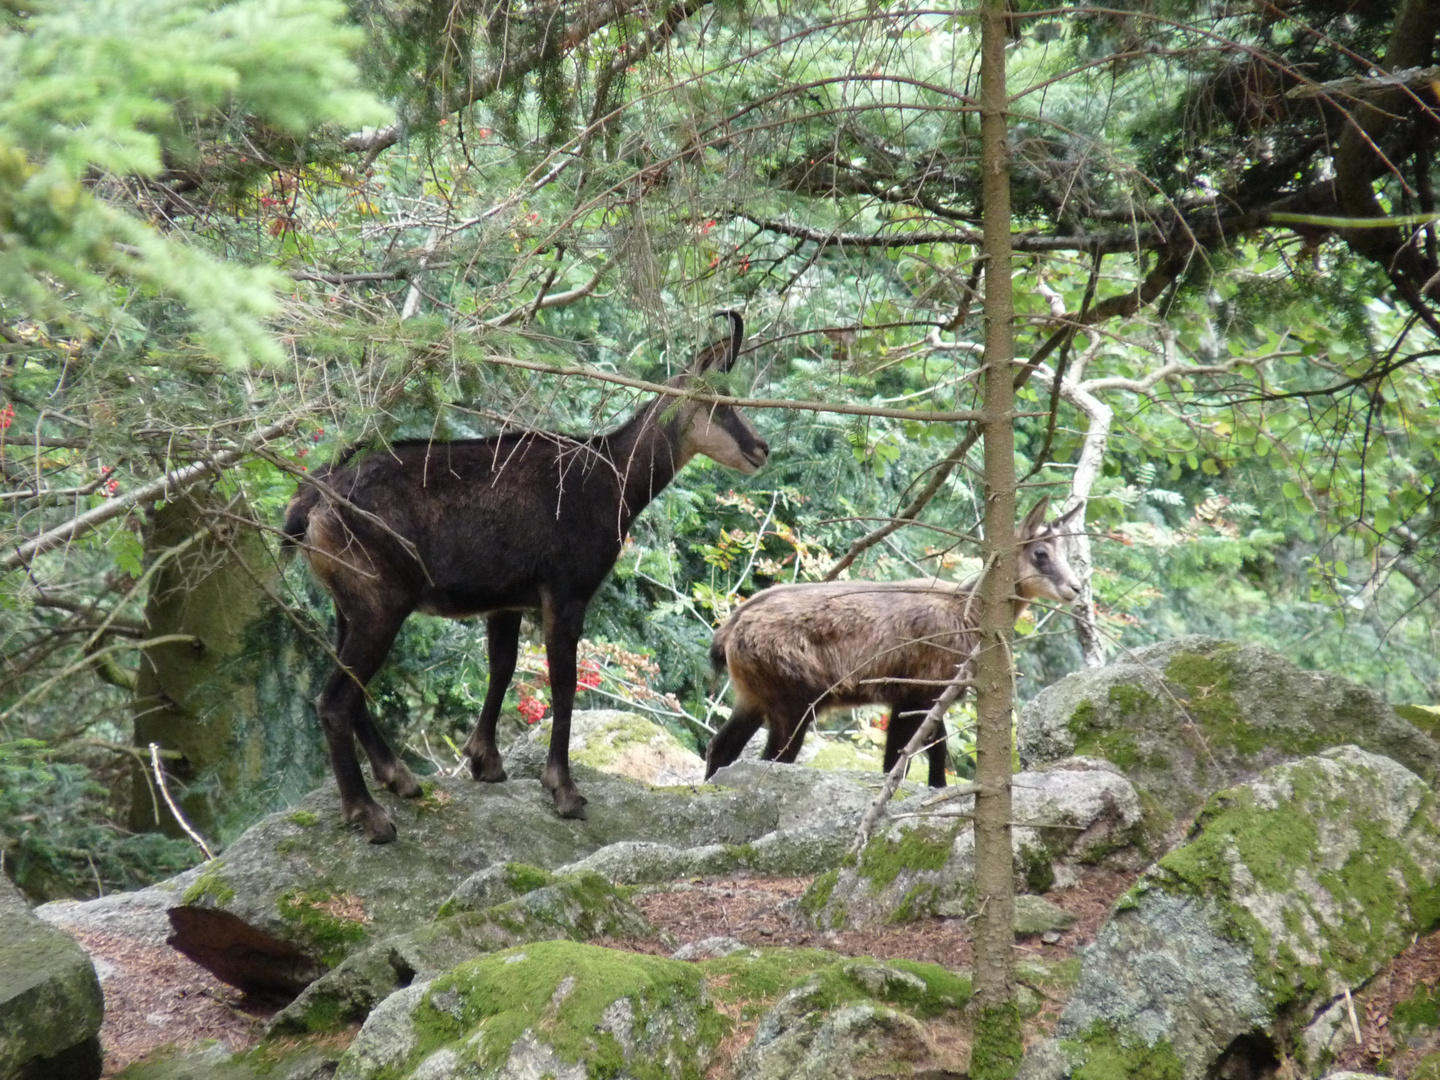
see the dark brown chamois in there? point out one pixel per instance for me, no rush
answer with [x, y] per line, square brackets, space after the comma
[491, 527]
[793, 650]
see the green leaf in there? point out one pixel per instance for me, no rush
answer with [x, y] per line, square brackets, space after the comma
[127, 551]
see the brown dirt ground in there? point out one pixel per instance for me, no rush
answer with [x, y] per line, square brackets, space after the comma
[156, 997]
[1379, 1050]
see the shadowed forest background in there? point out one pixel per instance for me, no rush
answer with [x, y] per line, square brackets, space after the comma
[237, 239]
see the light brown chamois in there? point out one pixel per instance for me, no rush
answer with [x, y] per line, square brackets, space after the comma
[793, 650]
[490, 527]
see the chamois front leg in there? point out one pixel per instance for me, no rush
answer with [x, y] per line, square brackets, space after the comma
[502, 639]
[564, 623]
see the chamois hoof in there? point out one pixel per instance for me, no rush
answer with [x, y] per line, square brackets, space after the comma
[570, 804]
[403, 783]
[379, 829]
[488, 769]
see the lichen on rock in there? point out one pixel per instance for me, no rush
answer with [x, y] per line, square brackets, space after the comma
[1190, 716]
[1292, 889]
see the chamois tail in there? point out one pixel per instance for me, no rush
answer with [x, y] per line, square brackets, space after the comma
[297, 514]
[717, 656]
[297, 518]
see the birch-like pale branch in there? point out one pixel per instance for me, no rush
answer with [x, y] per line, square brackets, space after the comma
[167, 486]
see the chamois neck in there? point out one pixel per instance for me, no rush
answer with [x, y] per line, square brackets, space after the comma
[1017, 605]
[645, 452]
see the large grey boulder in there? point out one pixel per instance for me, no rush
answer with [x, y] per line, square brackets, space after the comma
[923, 863]
[1188, 717]
[50, 1000]
[301, 891]
[1293, 888]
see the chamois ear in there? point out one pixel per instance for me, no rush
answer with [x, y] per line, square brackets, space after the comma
[1035, 519]
[1073, 517]
[721, 354]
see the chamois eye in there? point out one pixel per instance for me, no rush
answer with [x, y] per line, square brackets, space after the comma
[1041, 556]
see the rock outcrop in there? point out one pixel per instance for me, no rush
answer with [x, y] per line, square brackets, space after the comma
[1293, 889]
[467, 949]
[1188, 717]
[924, 864]
[50, 1000]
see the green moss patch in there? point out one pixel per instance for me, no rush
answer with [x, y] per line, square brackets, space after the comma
[1420, 1011]
[921, 847]
[524, 878]
[1104, 1055]
[619, 734]
[1092, 739]
[210, 884]
[560, 991]
[756, 978]
[329, 923]
[1424, 717]
[817, 896]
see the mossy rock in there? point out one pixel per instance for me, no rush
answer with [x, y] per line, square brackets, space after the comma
[1293, 888]
[1036, 915]
[545, 1008]
[50, 1000]
[853, 1018]
[574, 907]
[1185, 718]
[924, 865]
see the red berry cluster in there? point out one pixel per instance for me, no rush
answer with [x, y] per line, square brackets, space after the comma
[7, 416]
[531, 709]
[589, 675]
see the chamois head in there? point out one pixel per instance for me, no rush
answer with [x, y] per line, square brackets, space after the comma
[721, 432]
[1045, 573]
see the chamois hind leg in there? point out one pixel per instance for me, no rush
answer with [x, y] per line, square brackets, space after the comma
[937, 752]
[904, 722]
[564, 623]
[787, 734]
[344, 716]
[386, 767]
[502, 640]
[732, 737]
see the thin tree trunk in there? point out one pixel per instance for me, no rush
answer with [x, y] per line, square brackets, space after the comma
[996, 1047]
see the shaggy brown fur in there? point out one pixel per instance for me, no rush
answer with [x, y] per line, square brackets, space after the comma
[793, 650]
[490, 527]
